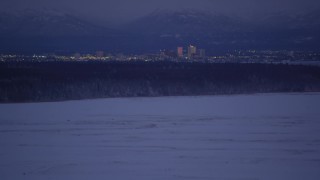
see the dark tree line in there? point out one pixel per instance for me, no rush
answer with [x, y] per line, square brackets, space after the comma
[55, 81]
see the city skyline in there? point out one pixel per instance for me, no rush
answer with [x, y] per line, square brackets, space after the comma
[160, 89]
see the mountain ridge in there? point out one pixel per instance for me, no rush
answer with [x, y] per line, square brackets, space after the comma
[160, 29]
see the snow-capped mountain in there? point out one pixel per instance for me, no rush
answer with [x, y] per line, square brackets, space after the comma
[158, 30]
[168, 29]
[310, 20]
[46, 23]
[213, 30]
[186, 23]
[35, 31]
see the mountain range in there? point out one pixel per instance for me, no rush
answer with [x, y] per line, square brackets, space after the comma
[54, 31]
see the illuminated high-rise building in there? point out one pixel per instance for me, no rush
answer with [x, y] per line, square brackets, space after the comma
[192, 50]
[202, 53]
[99, 54]
[180, 52]
[77, 56]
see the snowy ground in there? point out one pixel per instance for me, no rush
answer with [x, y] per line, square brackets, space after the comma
[243, 137]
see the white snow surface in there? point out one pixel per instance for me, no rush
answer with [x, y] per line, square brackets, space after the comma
[237, 137]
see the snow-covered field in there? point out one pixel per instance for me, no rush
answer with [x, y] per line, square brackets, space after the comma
[264, 136]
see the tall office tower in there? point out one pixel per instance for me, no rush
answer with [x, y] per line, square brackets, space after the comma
[202, 53]
[77, 56]
[99, 54]
[180, 52]
[192, 50]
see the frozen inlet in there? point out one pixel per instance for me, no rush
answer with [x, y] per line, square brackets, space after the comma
[264, 136]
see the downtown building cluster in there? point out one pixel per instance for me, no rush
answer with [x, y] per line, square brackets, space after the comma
[189, 53]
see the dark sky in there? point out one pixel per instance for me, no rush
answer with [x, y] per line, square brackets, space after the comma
[120, 10]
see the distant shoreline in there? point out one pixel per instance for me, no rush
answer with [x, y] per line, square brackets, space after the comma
[177, 96]
[62, 81]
